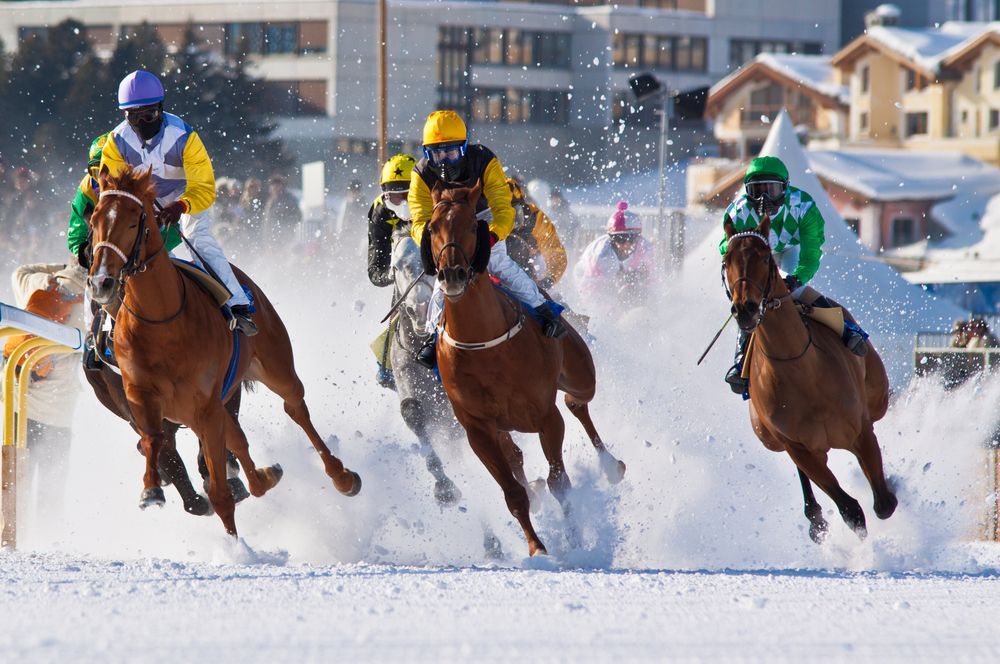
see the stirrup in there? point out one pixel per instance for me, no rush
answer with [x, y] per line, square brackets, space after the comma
[427, 355]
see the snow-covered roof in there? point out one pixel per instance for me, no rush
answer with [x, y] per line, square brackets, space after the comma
[811, 71]
[927, 47]
[975, 263]
[892, 175]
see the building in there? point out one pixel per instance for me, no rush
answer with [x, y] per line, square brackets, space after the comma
[546, 84]
[805, 85]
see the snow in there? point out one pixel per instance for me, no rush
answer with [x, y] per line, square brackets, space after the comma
[927, 47]
[978, 262]
[813, 71]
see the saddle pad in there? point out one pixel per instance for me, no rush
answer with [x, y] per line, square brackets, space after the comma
[214, 288]
[380, 345]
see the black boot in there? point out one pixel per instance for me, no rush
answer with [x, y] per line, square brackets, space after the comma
[242, 320]
[552, 327]
[737, 383]
[427, 355]
[855, 339]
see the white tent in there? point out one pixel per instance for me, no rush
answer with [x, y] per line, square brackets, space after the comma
[889, 308]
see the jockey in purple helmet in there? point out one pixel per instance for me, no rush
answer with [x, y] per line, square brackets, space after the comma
[185, 183]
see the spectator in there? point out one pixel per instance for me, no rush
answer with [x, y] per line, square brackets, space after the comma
[252, 203]
[980, 336]
[281, 212]
[959, 333]
[227, 217]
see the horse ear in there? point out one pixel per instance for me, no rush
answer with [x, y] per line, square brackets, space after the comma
[764, 227]
[437, 191]
[426, 253]
[475, 193]
[104, 177]
[482, 258]
[727, 225]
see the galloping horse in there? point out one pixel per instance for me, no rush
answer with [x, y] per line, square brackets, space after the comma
[422, 403]
[808, 392]
[500, 372]
[176, 352]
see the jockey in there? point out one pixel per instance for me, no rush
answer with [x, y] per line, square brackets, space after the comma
[389, 210]
[534, 243]
[795, 220]
[182, 170]
[83, 206]
[450, 160]
[622, 258]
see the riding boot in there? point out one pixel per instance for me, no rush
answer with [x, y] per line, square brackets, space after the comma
[385, 378]
[552, 327]
[737, 383]
[240, 319]
[427, 355]
[853, 336]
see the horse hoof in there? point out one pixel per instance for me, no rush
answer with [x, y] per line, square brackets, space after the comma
[886, 509]
[276, 472]
[818, 532]
[356, 487]
[198, 506]
[446, 493]
[152, 498]
[238, 489]
[540, 550]
[861, 532]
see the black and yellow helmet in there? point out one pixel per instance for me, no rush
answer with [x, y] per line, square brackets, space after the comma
[396, 173]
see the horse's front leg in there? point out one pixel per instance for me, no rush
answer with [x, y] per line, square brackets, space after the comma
[818, 527]
[147, 414]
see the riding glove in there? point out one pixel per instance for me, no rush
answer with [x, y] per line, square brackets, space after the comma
[172, 213]
[792, 282]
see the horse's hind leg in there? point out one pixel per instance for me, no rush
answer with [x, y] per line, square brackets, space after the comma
[815, 468]
[261, 480]
[818, 527]
[281, 379]
[445, 491]
[870, 457]
[552, 432]
[613, 469]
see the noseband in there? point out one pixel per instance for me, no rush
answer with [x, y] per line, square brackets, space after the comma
[766, 302]
[471, 274]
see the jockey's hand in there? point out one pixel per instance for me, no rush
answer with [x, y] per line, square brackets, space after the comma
[494, 238]
[792, 282]
[172, 213]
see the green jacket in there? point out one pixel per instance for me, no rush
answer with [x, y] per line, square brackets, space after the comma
[83, 206]
[797, 223]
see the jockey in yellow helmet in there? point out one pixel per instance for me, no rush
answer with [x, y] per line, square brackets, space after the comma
[534, 243]
[450, 160]
[389, 210]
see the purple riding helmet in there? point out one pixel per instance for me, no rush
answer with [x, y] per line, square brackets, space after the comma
[140, 88]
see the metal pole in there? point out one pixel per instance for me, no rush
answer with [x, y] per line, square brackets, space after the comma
[382, 83]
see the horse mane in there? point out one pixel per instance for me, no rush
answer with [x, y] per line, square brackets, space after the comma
[458, 195]
[133, 180]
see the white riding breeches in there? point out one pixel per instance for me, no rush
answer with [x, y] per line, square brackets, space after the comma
[196, 228]
[511, 276]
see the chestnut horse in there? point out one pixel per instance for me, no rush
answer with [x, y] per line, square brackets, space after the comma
[497, 367]
[174, 348]
[808, 392]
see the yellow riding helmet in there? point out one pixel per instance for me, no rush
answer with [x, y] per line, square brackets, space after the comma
[396, 173]
[444, 127]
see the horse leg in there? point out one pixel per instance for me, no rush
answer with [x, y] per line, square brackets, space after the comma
[172, 469]
[818, 527]
[486, 446]
[281, 379]
[212, 431]
[445, 491]
[260, 480]
[613, 469]
[552, 431]
[515, 459]
[870, 457]
[149, 421]
[815, 468]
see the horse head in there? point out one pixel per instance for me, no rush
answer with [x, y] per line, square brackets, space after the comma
[407, 268]
[120, 225]
[455, 244]
[750, 272]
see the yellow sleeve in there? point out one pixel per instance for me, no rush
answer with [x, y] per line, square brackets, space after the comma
[421, 206]
[87, 190]
[111, 158]
[200, 192]
[550, 245]
[497, 194]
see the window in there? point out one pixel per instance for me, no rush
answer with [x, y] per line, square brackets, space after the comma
[519, 48]
[911, 79]
[854, 224]
[965, 117]
[275, 38]
[770, 99]
[916, 124]
[996, 75]
[863, 121]
[994, 119]
[294, 98]
[904, 231]
[244, 38]
[454, 83]
[864, 79]
[667, 52]
[742, 51]
[977, 79]
[518, 106]
[281, 38]
[24, 33]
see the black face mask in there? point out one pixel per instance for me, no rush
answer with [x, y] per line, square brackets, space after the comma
[450, 172]
[145, 127]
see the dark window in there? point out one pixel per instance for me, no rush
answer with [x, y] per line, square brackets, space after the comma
[863, 121]
[770, 99]
[281, 38]
[911, 79]
[518, 106]
[742, 51]
[864, 79]
[854, 224]
[994, 119]
[455, 51]
[24, 33]
[244, 38]
[631, 51]
[519, 48]
[916, 123]
[904, 231]
[996, 75]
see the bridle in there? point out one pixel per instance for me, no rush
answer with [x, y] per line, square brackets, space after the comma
[766, 302]
[132, 265]
[470, 274]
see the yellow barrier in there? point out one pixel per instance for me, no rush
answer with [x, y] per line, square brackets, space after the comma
[14, 452]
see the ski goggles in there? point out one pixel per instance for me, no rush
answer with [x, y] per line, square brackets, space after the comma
[446, 154]
[624, 239]
[766, 190]
[142, 114]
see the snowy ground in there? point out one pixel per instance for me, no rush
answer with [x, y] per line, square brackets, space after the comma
[700, 554]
